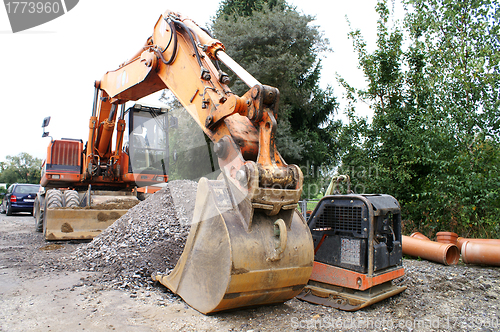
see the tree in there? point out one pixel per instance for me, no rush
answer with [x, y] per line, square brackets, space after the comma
[22, 168]
[433, 142]
[461, 41]
[230, 8]
[280, 48]
[391, 144]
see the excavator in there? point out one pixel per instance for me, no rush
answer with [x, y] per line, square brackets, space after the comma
[248, 245]
[84, 189]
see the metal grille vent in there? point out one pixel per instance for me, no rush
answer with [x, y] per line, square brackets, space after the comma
[66, 153]
[340, 218]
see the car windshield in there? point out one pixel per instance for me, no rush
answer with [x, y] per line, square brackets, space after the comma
[27, 189]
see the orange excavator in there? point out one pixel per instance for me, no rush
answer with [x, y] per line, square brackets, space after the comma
[248, 244]
[85, 188]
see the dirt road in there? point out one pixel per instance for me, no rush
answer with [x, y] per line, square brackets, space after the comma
[42, 289]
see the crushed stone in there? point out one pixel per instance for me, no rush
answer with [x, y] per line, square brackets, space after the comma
[148, 239]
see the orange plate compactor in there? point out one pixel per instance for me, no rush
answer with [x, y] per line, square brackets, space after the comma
[357, 251]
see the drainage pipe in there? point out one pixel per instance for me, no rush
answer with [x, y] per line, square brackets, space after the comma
[481, 253]
[444, 253]
[461, 241]
[447, 237]
[418, 235]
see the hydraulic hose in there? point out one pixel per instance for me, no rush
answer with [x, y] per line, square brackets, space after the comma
[190, 34]
[174, 52]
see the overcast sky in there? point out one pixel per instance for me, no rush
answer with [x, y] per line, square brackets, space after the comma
[50, 70]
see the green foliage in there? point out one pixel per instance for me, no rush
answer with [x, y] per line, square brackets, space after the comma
[433, 142]
[234, 8]
[281, 48]
[461, 41]
[22, 168]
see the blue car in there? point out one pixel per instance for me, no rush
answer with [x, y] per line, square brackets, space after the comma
[19, 198]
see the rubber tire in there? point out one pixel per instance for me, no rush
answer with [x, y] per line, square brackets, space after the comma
[38, 214]
[9, 210]
[71, 198]
[39, 225]
[54, 198]
[33, 213]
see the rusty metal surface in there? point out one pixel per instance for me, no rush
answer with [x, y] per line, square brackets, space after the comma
[248, 245]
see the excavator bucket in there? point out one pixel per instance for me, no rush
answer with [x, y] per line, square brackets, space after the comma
[236, 256]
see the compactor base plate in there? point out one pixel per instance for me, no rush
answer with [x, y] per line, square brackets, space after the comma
[345, 298]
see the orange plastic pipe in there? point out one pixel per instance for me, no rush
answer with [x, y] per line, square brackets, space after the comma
[481, 253]
[461, 241]
[447, 237]
[418, 235]
[444, 253]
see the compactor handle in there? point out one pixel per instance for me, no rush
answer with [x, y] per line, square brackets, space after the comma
[281, 235]
[333, 187]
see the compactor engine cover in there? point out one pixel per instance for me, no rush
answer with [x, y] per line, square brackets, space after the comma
[357, 246]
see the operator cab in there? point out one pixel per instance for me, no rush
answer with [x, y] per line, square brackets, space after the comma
[146, 141]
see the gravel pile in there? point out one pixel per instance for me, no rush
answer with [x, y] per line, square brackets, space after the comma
[148, 239]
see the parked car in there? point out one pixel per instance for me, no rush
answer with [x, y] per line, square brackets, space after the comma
[19, 198]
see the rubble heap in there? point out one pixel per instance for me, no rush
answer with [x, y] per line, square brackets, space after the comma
[148, 239]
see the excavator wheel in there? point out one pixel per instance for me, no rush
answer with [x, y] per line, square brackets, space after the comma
[38, 213]
[54, 198]
[71, 198]
[238, 257]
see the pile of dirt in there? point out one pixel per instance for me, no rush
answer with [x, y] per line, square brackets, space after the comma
[148, 239]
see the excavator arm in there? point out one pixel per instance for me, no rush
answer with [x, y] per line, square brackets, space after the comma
[247, 245]
[179, 57]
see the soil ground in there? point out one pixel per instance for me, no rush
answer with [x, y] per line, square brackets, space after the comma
[41, 289]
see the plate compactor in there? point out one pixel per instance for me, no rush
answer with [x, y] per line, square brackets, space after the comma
[357, 251]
